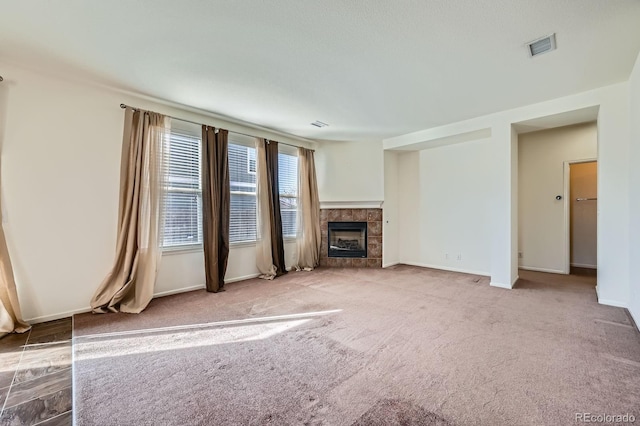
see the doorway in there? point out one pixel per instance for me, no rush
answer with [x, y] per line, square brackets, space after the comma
[544, 225]
[581, 216]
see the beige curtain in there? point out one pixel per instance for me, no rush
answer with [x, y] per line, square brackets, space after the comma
[129, 285]
[264, 258]
[10, 316]
[308, 238]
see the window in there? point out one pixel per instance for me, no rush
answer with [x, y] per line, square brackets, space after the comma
[252, 162]
[288, 180]
[243, 218]
[242, 177]
[183, 209]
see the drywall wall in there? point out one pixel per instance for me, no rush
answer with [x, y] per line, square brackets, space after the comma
[454, 231]
[583, 214]
[443, 207]
[350, 171]
[390, 255]
[515, 196]
[612, 104]
[634, 192]
[409, 222]
[60, 161]
[613, 197]
[541, 157]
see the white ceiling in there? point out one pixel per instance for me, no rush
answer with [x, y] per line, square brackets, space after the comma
[371, 69]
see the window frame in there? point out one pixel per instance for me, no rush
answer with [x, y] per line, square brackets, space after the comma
[186, 130]
[255, 161]
[249, 143]
[293, 152]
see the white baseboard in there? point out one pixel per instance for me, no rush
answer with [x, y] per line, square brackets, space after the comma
[610, 302]
[202, 286]
[242, 278]
[583, 265]
[550, 271]
[178, 290]
[447, 268]
[53, 317]
[500, 285]
[388, 265]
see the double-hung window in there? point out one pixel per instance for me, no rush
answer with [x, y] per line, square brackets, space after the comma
[183, 203]
[242, 178]
[288, 180]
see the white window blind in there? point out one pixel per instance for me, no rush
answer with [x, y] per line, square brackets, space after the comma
[242, 178]
[183, 208]
[252, 161]
[288, 181]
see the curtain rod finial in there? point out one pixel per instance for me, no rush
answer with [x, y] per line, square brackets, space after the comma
[123, 106]
[1, 79]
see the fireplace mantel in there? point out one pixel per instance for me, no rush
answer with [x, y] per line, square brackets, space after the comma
[351, 204]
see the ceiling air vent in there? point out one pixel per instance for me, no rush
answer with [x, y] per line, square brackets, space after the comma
[542, 45]
[319, 124]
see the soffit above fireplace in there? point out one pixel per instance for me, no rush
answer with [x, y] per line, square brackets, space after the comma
[351, 204]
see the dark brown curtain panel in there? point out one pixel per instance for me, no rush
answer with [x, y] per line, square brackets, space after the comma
[216, 206]
[277, 240]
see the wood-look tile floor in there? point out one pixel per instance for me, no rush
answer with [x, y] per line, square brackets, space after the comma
[35, 376]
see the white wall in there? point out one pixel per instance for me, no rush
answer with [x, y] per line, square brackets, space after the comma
[613, 181]
[409, 223]
[444, 208]
[350, 171]
[542, 237]
[60, 162]
[634, 192]
[390, 254]
[515, 197]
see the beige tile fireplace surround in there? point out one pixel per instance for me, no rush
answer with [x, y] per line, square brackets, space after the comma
[373, 217]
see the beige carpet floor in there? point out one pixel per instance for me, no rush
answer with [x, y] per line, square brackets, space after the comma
[399, 346]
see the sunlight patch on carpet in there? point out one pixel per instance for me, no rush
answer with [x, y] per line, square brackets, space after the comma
[153, 341]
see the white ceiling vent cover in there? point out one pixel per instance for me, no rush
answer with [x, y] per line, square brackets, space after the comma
[542, 45]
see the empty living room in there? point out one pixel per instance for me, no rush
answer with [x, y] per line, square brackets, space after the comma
[284, 212]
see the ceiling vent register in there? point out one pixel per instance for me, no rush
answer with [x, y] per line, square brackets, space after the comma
[542, 45]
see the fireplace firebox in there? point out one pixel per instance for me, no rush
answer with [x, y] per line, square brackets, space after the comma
[347, 239]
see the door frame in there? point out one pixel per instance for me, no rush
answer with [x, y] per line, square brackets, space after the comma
[567, 215]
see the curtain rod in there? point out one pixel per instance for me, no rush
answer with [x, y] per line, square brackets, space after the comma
[123, 106]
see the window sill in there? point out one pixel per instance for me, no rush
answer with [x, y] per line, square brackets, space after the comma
[240, 244]
[168, 251]
[182, 249]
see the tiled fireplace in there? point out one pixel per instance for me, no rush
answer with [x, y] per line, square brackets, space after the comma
[347, 241]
